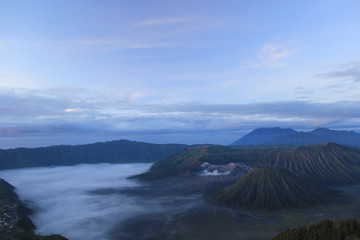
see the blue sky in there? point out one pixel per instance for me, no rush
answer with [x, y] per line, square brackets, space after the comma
[76, 71]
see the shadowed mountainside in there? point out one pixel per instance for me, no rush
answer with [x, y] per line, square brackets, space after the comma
[288, 136]
[326, 163]
[273, 188]
[348, 229]
[122, 151]
[13, 213]
[14, 221]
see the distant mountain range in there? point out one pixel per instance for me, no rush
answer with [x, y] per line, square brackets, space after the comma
[288, 136]
[121, 151]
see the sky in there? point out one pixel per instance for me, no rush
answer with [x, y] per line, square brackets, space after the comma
[175, 71]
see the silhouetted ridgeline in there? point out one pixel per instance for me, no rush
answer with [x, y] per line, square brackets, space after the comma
[325, 230]
[288, 136]
[14, 221]
[121, 151]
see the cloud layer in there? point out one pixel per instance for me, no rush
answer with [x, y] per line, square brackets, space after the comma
[30, 113]
[64, 206]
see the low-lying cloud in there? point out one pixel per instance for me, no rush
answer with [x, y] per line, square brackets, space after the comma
[63, 204]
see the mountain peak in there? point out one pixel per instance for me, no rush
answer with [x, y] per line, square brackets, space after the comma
[274, 129]
[288, 136]
[263, 135]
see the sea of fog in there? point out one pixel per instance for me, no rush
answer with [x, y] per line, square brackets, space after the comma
[64, 204]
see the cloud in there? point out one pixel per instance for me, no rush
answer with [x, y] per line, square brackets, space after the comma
[163, 21]
[351, 71]
[61, 112]
[272, 54]
[64, 205]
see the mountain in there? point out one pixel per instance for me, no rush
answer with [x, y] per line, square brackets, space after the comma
[273, 188]
[263, 135]
[327, 163]
[7, 191]
[14, 221]
[121, 151]
[191, 159]
[349, 138]
[13, 213]
[327, 229]
[287, 136]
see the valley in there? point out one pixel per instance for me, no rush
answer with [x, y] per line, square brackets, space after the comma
[190, 217]
[199, 192]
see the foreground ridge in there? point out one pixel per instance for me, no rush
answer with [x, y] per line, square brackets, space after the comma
[14, 221]
[348, 229]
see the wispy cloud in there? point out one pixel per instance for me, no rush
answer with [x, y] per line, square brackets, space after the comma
[349, 71]
[272, 54]
[163, 21]
[82, 113]
[152, 45]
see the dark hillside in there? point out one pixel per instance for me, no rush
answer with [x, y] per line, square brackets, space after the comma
[122, 151]
[348, 229]
[14, 221]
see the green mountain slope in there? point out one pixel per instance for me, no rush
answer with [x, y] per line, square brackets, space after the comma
[273, 188]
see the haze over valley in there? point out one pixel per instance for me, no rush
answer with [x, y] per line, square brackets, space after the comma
[197, 191]
[63, 202]
[179, 120]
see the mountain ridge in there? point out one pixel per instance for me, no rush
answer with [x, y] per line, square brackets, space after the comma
[288, 136]
[327, 229]
[327, 163]
[119, 151]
